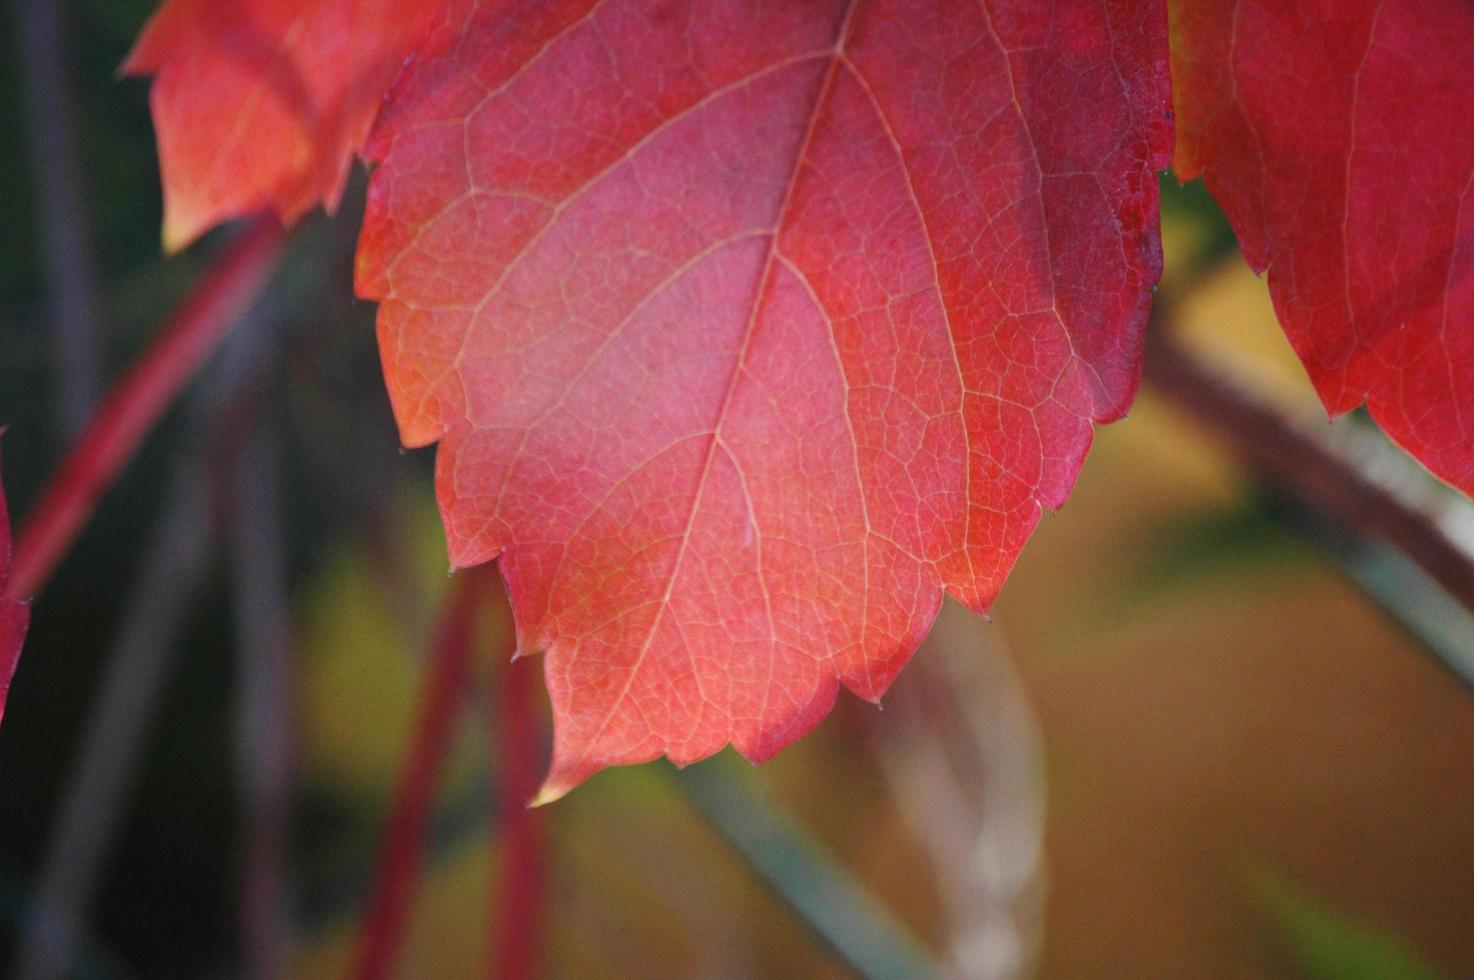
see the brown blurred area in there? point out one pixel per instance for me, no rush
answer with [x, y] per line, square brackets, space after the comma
[1249, 714]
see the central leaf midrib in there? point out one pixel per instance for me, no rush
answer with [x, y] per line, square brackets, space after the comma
[821, 99]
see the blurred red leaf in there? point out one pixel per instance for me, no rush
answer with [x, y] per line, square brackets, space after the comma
[14, 615]
[263, 103]
[749, 328]
[1336, 135]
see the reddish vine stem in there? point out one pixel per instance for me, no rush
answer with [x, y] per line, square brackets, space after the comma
[519, 919]
[414, 796]
[113, 432]
[1314, 474]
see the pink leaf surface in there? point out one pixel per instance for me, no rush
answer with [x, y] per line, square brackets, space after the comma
[748, 328]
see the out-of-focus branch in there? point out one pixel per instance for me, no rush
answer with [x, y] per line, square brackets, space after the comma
[448, 670]
[265, 722]
[962, 753]
[1322, 480]
[114, 431]
[820, 890]
[519, 905]
[175, 563]
[66, 239]
[1305, 467]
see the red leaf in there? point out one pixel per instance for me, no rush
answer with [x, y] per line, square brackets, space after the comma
[1336, 134]
[263, 103]
[750, 327]
[14, 616]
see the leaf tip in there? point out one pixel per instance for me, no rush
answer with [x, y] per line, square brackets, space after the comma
[564, 777]
[181, 229]
[551, 792]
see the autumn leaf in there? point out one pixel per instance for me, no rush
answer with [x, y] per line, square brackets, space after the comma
[263, 103]
[14, 615]
[1336, 136]
[747, 329]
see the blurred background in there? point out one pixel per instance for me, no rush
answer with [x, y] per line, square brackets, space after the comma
[1205, 732]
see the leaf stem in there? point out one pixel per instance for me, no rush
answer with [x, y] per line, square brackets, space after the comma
[115, 429]
[404, 840]
[518, 914]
